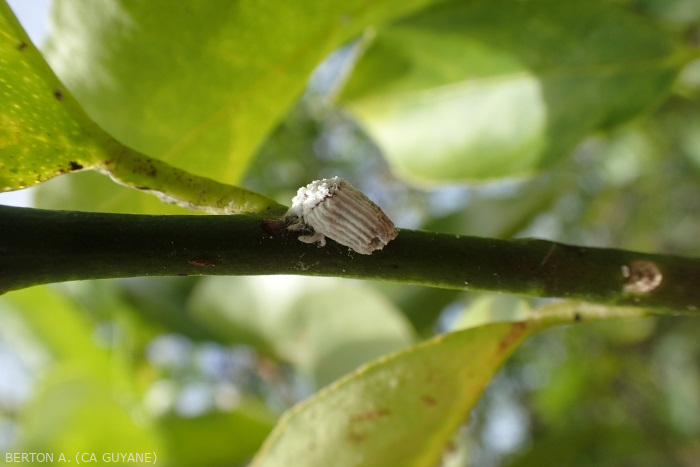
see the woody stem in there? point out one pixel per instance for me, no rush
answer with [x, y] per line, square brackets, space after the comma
[39, 246]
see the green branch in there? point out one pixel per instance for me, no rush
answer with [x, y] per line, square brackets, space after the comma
[38, 247]
[176, 186]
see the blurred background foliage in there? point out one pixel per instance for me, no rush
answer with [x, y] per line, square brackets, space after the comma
[198, 369]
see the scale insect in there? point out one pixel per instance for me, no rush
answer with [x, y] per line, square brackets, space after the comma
[335, 209]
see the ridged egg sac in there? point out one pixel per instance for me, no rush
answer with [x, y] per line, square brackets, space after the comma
[335, 209]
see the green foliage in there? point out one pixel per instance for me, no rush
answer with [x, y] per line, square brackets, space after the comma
[449, 92]
[478, 90]
[323, 327]
[400, 410]
[88, 399]
[202, 88]
[36, 127]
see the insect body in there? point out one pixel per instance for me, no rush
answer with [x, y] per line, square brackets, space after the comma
[335, 209]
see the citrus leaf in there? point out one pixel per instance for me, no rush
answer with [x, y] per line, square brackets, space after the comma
[69, 193]
[198, 441]
[477, 90]
[39, 136]
[45, 132]
[199, 84]
[403, 409]
[400, 410]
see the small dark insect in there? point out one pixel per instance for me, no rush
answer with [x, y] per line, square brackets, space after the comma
[273, 226]
[58, 94]
[22, 45]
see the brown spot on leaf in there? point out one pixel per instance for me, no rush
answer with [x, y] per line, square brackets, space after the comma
[356, 436]
[58, 94]
[371, 415]
[429, 400]
[22, 45]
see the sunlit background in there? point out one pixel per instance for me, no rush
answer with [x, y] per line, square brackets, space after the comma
[177, 362]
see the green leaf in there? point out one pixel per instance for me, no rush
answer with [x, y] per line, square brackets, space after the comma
[219, 438]
[85, 385]
[403, 409]
[400, 410]
[476, 90]
[39, 136]
[68, 414]
[492, 308]
[199, 84]
[324, 327]
[516, 204]
[58, 323]
[70, 193]
[45, 132]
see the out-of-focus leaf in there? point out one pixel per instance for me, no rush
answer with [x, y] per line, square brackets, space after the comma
[679, 380]
[672, 11]
[164, 301]
[517, 204]
[399, 410]
[199, 84]
[90, 191]
[58, 323]
[477, 90]
[595, 445]
[222, 438]
[492, 308]
[324, 327]
[421, 305]
[39, 135]
[403, 409]
[76, 410]
[85, 386]
[587, 390]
